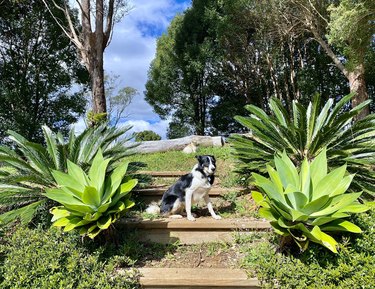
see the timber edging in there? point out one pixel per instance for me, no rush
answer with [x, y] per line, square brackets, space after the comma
[196, 278]
[203, 230]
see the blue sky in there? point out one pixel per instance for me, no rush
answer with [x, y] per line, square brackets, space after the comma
[131, 51]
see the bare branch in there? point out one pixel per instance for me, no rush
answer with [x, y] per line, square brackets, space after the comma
[317, 12]
[57, 20]
[70, 32]
[72, 29]
[330, 52]
[110, 23]
[86, 17]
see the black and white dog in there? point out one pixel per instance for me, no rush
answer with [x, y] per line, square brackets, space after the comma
[188, 190]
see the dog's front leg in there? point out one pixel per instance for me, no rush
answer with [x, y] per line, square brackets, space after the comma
[188, 197]
[210, 208]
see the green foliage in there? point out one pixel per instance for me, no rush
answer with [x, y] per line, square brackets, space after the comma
[29, 166]
[305, 132]
[307, 204]
[90, 202]
[351, 27]
[38, 67]
[178, 85]
[94, 119]
[352, 267]
[146, 135]
[52, 259]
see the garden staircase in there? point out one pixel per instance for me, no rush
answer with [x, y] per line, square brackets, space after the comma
[204, 229]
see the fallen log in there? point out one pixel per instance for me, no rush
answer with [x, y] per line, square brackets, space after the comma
[178, 144]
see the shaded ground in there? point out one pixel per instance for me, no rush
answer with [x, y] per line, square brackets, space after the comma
[216, 255]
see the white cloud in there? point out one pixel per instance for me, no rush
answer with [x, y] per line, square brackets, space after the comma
[80, 126]
[134, 45]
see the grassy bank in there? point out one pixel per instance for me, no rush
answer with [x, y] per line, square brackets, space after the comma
[179, 161]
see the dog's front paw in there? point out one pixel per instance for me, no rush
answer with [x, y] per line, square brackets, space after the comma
[216, 217]
[191, 218]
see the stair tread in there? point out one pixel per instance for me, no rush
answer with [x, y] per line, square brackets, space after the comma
[161, 189]
[203, 277]
[163, 173]
[200, 223]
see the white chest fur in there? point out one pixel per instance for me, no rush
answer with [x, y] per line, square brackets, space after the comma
[200, 186]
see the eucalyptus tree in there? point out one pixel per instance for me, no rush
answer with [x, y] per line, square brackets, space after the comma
[91, 37]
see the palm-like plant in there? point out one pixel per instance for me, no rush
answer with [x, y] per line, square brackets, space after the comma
[304, 134]
[27, 166]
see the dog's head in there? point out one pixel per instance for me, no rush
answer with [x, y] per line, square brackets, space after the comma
[207, 163]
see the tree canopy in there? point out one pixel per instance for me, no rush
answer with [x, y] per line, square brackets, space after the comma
[38, 66]
[218, 56]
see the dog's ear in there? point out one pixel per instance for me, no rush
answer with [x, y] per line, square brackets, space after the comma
[199, 158]
[213, 157]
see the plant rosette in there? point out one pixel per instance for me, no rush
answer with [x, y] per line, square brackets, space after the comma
[307, 204]
[91, 202]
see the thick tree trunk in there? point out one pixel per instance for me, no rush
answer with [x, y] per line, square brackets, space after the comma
[358, 85]
[97, 86]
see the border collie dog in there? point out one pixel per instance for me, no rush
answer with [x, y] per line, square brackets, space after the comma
[188, 190]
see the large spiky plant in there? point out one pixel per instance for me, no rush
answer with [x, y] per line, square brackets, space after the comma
[26, 167]
[305, 132]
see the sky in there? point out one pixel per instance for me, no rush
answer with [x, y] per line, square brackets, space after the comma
[131, 51]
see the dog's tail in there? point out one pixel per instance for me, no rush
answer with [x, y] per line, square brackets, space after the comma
[153, 208]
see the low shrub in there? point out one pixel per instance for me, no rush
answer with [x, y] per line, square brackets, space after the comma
[352, 267]
[34, 258]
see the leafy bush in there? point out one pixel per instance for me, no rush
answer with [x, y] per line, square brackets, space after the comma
[91, 202]
[52, 259]
[28, 166]
[146, 135]
[352, 267]
[307, 205]
[305, 132]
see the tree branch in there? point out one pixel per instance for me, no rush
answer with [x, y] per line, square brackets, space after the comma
[109, 24]
[330, 52]
[71, 33]
[86, 18]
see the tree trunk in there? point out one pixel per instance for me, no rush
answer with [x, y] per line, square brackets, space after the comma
[357, 85]
[97, 86]
[356, 77]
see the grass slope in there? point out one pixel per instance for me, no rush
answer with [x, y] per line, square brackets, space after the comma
[179, 161]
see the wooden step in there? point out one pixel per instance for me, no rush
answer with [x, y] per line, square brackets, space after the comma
[196, 278]
[204, 229]
[163, 174]
[159, 191]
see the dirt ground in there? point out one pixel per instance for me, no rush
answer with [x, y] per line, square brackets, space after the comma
[215, 255]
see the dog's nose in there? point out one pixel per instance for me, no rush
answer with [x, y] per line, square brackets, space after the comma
[213, 169]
